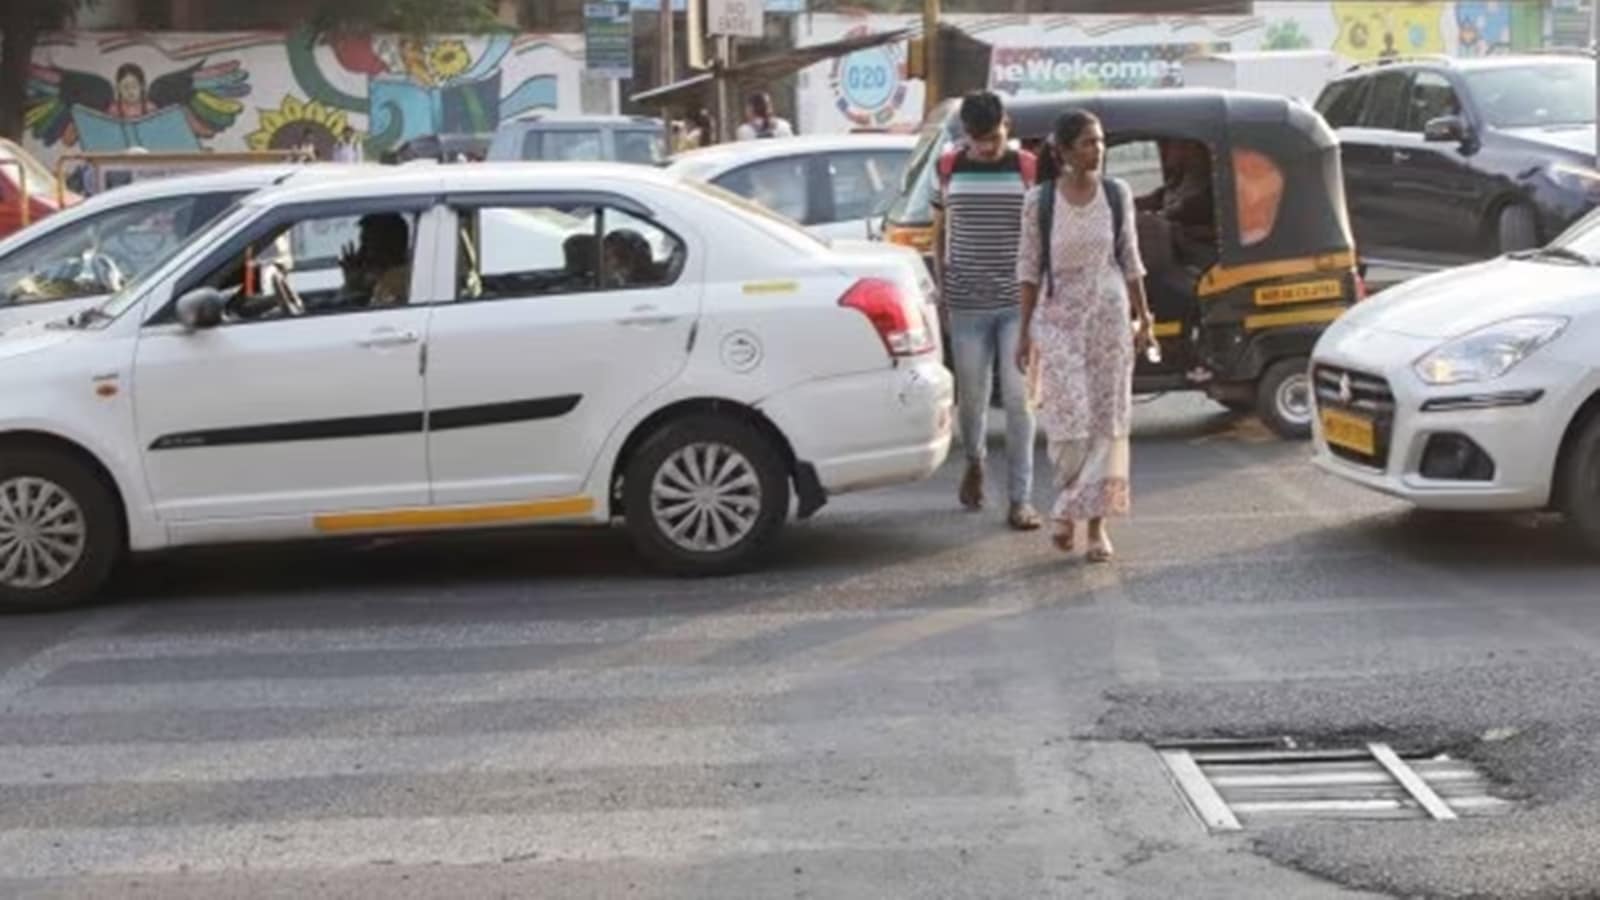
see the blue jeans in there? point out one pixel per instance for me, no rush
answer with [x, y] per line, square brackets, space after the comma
[978, 339]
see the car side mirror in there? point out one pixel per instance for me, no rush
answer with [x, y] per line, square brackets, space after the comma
[201, 308]
[1446, 129]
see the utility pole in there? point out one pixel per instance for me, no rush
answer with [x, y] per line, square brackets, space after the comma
[1594, 57]
[931, 82]
[665, 73]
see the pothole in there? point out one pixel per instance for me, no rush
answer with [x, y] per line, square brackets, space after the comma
[1233, 785]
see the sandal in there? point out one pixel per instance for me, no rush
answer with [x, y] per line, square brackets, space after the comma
[1100, 550]
[1064, 536]
[1024, 517]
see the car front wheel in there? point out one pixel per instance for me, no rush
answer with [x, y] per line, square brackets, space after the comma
[60, 533]
[1579, 481]
[706, 496]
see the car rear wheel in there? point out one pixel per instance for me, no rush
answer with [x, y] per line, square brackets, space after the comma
[60, 532]
[1283, 398]
[1579, 481]
[706, 496]
[1517, 229]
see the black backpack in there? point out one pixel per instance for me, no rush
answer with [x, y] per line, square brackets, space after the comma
[1047, 219]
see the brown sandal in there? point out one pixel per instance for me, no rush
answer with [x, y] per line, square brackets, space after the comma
[1065, 536]
[971, 493]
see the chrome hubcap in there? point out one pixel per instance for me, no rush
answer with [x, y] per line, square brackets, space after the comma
[42, 533]
[1294, 400]
[706, 497]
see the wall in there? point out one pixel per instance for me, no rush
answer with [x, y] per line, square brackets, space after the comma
[264, 90]
[1042, 53]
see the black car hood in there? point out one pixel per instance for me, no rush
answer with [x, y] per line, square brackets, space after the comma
[1571, 138]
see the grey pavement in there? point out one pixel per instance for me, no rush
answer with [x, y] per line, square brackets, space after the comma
[909, 702]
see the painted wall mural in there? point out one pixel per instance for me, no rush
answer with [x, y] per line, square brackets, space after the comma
[1042, 53]
[173, 92]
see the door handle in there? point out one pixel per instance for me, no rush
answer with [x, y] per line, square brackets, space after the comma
[646, 315]
[1401, 156]
[388, 337]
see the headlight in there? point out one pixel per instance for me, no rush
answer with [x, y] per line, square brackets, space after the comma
[1574, 177]
[1489, 352]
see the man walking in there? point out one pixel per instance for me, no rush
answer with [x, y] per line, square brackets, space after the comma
[977, 227]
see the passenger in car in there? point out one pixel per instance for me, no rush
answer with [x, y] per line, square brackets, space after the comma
[377, 272]
[628, 259]
[583, 257]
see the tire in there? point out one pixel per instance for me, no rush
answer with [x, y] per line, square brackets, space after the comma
[663, 464]
[1579, 484]
[1283, 398]
[1517, 229]
[42, 573]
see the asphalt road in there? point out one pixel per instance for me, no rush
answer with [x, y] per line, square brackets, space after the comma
[910, 702]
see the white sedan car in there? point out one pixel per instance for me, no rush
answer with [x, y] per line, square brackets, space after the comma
[1473, 389]
[676, 358]
[75, 258]
[832, 184]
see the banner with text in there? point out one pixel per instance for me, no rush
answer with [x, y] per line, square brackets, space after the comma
[1041, 70]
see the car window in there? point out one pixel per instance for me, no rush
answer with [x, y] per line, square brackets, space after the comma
[639, 146]
[534, 250]
[1388, 99]
[1136, 162]
[101, 253]
[1545, 94]
[1258, 188]
[862, 181]
[778, 184]
[266, 277]
[765, 220]
[1341, 102]
[1431, 97]
[563, 145]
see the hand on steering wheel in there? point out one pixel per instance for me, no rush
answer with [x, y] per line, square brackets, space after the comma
[276, 280]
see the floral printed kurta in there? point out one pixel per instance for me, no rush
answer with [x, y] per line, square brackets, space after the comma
[1084, 334]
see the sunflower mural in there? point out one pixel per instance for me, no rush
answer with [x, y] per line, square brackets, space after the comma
[419, 85]
[286, 127]
[1370, 30]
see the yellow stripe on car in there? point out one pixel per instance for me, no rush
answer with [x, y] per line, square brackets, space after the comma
[1318, 316]
[457, 516]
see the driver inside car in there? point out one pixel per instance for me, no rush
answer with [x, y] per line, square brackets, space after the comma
[378, 268]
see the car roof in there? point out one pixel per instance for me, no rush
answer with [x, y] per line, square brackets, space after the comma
[568, 119]
[384, 181]
[1464, 64]
[747, 151]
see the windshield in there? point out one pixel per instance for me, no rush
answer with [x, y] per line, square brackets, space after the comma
[914, 203]
[1541, 94]
[640, 146]
[121, 301]
[783, 229]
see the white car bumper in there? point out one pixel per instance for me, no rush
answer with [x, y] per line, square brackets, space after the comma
[869, 429]
[1489, 446]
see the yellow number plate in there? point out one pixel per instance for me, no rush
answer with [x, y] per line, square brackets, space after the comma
[1303, 292]
[1342, 429]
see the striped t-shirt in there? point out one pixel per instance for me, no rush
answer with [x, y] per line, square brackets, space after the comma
[982, 204]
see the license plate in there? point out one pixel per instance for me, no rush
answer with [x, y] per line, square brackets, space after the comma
[1341, 429]
[1303, 292]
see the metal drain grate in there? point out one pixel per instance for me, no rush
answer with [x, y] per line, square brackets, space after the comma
[1235, 785]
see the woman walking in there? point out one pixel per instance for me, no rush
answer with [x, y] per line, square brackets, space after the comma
[1084, 315]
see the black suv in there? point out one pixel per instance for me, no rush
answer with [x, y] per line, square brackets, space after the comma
[1447, 161]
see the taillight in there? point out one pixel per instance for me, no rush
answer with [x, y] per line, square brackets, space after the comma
[897, 320]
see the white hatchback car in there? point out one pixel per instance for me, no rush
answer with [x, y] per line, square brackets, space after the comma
[75, 258]
[1473, 389]
[657, 351]
[832, 184]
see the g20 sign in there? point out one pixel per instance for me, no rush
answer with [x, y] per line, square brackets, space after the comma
[869, 86]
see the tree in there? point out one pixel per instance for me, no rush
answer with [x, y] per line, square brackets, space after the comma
[405, 16]
[21, 23]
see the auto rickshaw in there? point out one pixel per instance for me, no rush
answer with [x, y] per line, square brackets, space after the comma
[1239, 304]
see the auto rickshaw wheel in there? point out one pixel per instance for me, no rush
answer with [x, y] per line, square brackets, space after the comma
[1283, 398]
